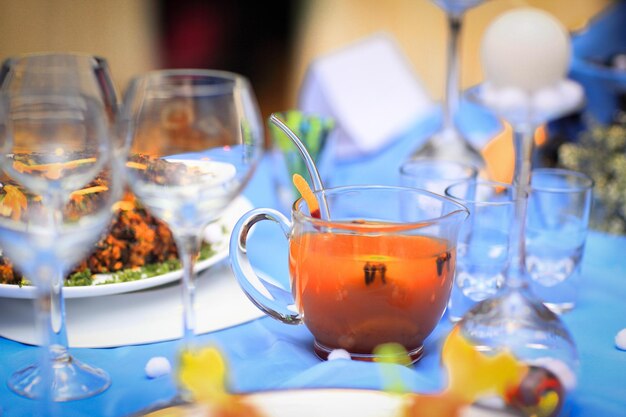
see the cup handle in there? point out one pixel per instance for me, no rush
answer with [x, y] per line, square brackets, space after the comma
[269, 298]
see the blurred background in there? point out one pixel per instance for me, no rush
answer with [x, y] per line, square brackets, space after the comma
[272, 42]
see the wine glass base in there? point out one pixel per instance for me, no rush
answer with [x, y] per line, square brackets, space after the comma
[515, 321]
[71, 380]
[322, 352]
[560, 308]
[449, 144]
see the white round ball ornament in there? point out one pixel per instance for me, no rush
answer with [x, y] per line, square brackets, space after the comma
[525, 48]
[157, 366]
[620, 339]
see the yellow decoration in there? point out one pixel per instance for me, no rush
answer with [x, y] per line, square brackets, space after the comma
[488, 374]
[471, 375]
[392, 353]
[548, 404]
[203, 374]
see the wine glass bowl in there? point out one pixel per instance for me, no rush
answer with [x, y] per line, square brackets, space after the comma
[194, 139]
[61, 109]
[59, 183]
[50, 131]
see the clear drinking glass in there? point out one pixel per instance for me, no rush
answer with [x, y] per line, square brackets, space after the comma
[483, 247]
[194, 138]
[59, 184]
[448, 142]
[435, 175]
[556, 230]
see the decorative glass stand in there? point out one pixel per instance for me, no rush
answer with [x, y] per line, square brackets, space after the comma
[515, 320]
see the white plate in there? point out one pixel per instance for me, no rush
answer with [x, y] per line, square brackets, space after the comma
[148, 316]
[231, 214]
[323, 402]
[304, 403]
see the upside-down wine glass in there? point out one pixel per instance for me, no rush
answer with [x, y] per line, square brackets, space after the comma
[59, 184]
[194, 137]
[515, 319]
[448, 142]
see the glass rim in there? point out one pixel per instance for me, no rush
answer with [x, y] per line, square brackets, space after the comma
[191, 73]
[307, 115]
[487, 183]
[14, 59]
[430, 162]
[381, 226]
[583, 182]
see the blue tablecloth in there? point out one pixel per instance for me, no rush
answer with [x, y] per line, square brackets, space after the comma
[266, 355]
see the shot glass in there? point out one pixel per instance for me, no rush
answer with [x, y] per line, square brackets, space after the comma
[483, 246]
[434, 175]
[556, 229]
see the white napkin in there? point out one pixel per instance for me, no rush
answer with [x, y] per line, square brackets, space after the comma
[371, 91]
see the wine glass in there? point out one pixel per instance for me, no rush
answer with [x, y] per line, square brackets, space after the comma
[194, 137]
[59, 183]
[448, 142]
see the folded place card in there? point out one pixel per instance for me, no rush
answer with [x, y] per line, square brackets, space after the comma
[370, 90]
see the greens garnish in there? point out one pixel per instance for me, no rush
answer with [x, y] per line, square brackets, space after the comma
[77, 279]
[85, 278]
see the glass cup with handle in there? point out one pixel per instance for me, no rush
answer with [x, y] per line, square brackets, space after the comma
[378, 271]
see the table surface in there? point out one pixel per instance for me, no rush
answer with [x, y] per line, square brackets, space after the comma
[267, 355]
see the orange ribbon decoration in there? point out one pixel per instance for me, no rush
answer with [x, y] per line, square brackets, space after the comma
[499, 154]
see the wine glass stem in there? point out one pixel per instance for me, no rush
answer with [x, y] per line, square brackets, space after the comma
[452, 75]
[58, 331]
[57, 335]
[51, 315]
[50, 302]
[523, 143]
[188, 248]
